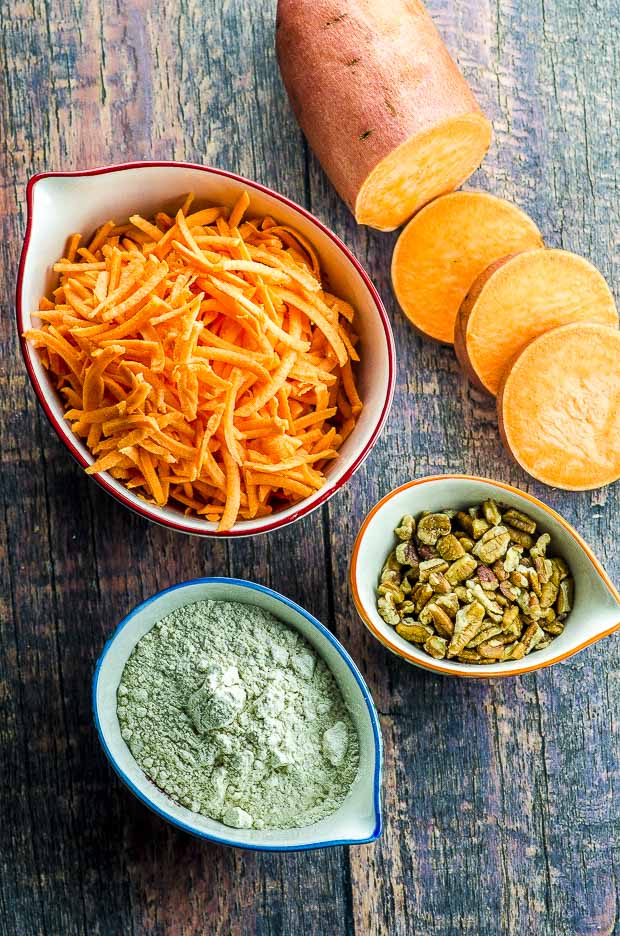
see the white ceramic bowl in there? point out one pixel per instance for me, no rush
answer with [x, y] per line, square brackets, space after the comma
[596, 610]
[357, 820]
[64, 202]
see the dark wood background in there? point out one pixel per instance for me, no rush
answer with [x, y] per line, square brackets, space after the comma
[502, 798]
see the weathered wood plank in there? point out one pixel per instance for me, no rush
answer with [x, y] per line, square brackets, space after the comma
[488, 787]
[501, 799]
[130, 73]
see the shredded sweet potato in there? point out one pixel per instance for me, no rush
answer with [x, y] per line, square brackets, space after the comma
[201, 360]
[559, 407]
[445, 247]
[518, 298]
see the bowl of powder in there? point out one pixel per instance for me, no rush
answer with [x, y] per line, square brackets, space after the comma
[235, 715]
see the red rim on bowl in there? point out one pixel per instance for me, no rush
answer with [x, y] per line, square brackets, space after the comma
[306, 506]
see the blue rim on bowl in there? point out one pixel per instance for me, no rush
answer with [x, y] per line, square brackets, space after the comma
[377, 745]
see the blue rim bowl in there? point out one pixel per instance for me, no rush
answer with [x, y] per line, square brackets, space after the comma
[358, 819]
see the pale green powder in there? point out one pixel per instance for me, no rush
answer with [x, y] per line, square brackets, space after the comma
[232, 714]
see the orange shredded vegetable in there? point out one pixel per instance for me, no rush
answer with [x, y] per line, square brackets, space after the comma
[201, 360]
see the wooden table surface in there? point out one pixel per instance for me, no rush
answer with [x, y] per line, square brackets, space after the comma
[502, 797]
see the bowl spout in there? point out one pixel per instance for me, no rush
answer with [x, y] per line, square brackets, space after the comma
[606, 599]
[596, 601]
[358, 821]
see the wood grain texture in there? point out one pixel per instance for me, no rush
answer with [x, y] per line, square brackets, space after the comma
[502, 798]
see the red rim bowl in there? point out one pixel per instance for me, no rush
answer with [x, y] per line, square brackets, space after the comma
[59, 203]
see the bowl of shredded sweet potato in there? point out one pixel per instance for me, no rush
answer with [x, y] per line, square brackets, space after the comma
[209, 352]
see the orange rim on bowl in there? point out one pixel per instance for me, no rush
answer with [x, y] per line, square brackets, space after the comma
[305, 506]
[432, 664]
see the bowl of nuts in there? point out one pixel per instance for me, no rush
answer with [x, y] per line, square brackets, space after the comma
[471, 577]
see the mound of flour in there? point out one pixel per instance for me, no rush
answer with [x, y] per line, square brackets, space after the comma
[232, 714]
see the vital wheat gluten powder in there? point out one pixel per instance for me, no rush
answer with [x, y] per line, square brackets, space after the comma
[233, 715]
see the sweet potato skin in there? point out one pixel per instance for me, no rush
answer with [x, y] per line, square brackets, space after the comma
[589, 354]
[364, 77]
[460, 328]
[585, 296]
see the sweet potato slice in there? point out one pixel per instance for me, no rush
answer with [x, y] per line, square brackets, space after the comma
[383, 105]
[518, 298]
[445, 247]
[559, 406]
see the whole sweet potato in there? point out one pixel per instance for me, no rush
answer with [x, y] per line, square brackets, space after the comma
[383, 105]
